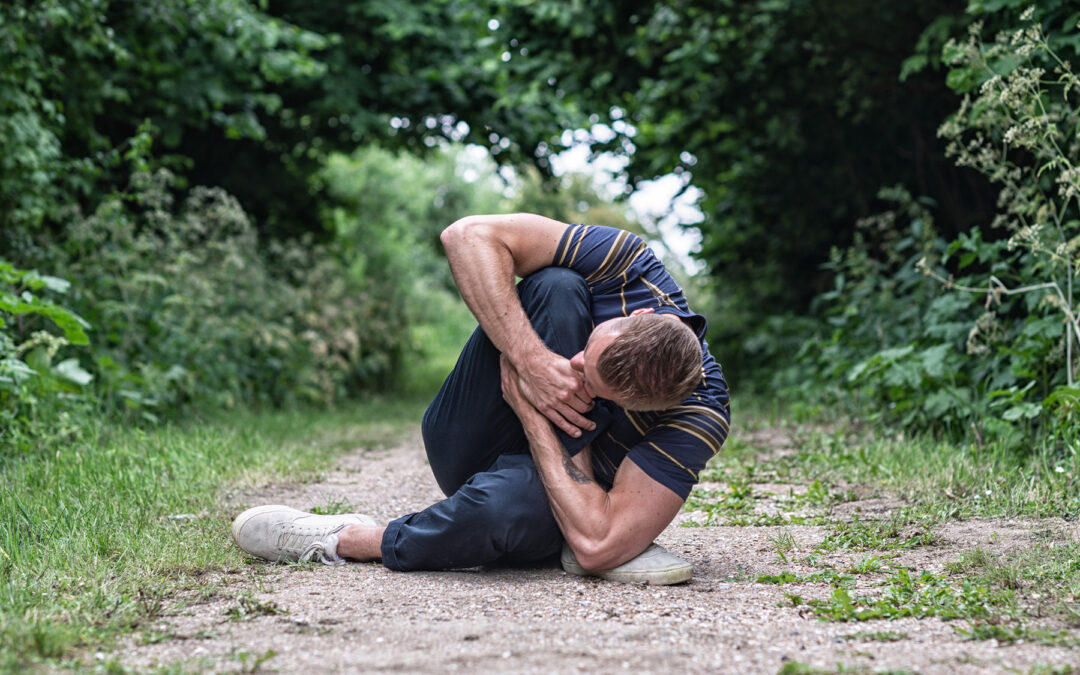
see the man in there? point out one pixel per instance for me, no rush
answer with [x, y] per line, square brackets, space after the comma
[581, 411]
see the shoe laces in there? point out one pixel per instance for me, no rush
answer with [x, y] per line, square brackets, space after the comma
[323, 548]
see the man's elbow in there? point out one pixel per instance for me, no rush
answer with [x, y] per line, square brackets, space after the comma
[600, 555]
[466, 232]
[454, 233]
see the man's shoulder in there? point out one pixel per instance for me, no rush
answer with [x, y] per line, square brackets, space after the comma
[600, 253]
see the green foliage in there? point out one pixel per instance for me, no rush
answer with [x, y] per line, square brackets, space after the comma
[907, 595]
[878, 535]
[1023, 131]
[77, 77]
[28, 348]
[778, 110]
[188, 309]
[993, 357]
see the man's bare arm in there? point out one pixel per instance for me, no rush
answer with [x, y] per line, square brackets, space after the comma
[485, 252]
[603, 528]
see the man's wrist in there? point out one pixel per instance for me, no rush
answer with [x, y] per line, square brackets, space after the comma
[528, 356]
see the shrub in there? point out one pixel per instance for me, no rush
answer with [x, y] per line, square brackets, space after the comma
[995, 354]
[189, 309]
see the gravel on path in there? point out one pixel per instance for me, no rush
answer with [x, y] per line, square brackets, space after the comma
[365, 618]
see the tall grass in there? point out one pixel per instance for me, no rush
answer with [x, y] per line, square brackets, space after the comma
[95, 532]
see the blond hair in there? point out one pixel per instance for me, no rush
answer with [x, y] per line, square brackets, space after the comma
[653, 363]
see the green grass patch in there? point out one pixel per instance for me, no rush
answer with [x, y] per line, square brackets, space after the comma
[905, 595]
[959, 480]
[1045, 580]
[875, 535]
[994, 594]
[1014, 633]
[97, 533]
[944, 479]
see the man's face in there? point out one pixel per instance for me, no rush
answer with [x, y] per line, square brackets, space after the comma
[584, 362]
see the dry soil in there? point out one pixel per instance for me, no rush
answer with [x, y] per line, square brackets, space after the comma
[362, 617]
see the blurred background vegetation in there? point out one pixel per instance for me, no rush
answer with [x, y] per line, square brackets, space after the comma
[236, 203]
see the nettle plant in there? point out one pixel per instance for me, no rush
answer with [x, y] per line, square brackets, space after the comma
[28, 343]
[1019, 125]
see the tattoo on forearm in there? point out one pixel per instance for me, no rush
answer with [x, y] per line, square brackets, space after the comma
[575, 473]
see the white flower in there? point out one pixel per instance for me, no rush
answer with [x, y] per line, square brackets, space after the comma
[1059, 469]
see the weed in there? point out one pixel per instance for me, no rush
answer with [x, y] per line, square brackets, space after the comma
[867, 565]
[784, 544]
[248, 607]
[1017, 632]
[1058, 669]
[251, 663]
[1046, 580]
[861, 535]
[798, 668]
[821, 576]
[334, 507]
[904, 595]
[975, 559]
[736, 500]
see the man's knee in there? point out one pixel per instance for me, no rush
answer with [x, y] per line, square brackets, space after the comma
[553, 284]
[559, 306]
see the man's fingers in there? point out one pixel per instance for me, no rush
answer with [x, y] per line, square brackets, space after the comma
[561, 422]
[569, 420]
[582, 403]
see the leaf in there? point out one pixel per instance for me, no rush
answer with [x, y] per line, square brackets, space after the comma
[55, 283]
[933, 360]
[38, 359]
[913, 64]
[938, 403]
[17, 368]
[1022, 411]
[71, 371]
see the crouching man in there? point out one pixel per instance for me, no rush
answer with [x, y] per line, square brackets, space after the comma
[576, 419]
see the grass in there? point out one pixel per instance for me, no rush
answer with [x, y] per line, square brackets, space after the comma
[96, 533]
[932, 481]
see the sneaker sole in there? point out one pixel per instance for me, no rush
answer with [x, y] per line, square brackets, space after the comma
[666, 577]
[656, 578]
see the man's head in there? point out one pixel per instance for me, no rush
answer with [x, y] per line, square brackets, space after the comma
[641, 362]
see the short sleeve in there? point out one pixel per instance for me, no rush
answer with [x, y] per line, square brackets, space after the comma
[679, 445]
[603, 255]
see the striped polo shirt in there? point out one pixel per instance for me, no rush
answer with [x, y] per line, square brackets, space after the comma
[673, 445]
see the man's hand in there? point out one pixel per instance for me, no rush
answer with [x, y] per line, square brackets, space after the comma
[552, 387]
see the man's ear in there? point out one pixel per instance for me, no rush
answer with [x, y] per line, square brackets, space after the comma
[643, 310]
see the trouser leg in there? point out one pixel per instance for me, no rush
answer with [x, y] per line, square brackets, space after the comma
[498, 515]
[468, 424]
[496, 510]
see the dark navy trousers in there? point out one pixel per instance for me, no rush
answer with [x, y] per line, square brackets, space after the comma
[496, 510]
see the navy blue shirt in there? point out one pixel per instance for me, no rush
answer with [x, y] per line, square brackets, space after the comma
[673, 445]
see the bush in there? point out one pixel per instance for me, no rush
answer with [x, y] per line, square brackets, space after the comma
[995, 354]
[188, 309]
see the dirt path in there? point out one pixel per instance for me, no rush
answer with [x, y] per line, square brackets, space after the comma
[362, 617]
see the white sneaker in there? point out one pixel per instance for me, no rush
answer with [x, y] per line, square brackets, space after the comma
[280, 533]
[654, 566]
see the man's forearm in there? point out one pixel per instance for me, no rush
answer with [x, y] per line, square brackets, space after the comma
[581, 507]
